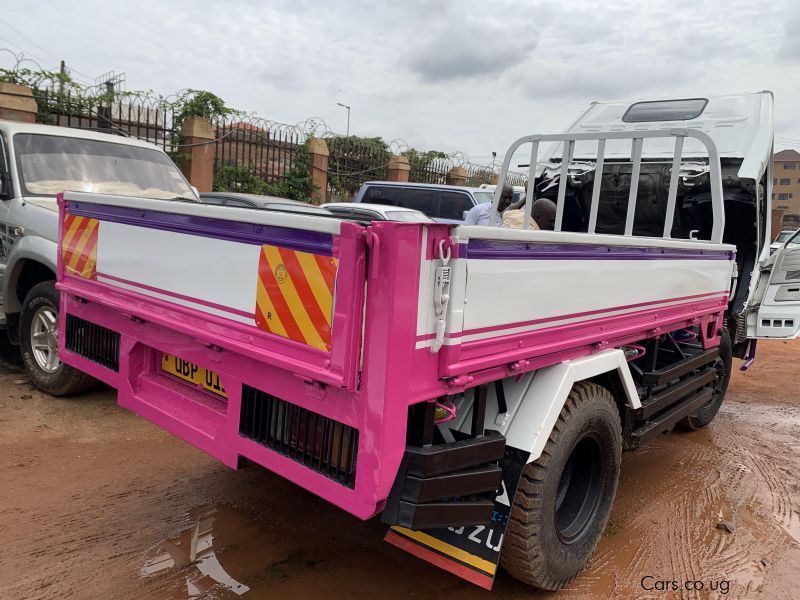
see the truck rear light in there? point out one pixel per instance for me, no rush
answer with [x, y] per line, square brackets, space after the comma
[92, 341]
[320, 443]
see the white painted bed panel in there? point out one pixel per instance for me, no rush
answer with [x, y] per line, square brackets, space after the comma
[169, 261]
[509, 291]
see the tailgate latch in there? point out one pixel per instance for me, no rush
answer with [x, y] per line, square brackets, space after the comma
[441, 296]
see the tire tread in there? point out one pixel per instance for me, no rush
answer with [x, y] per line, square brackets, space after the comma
[523, 548]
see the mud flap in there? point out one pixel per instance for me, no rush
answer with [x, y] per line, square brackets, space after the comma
[471, 552]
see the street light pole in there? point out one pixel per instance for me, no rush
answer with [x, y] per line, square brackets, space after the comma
[348, 116]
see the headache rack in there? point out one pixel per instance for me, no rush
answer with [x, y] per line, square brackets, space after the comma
[637, 139]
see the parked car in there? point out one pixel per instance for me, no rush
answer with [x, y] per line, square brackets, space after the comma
[519, 190]
[242, 200]
[443, 203]
[780, 240]
[376, 212]
[36, 163]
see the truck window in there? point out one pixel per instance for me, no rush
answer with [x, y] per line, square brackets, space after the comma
[665, 110]
[380, 194]
[453, 205]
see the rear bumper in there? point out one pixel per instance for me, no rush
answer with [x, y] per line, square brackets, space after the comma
[313, 441]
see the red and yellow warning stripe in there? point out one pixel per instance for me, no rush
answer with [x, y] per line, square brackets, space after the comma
[79, 246]
[294, 298]
[457, 561]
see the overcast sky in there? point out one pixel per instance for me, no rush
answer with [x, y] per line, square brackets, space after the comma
[451, 75]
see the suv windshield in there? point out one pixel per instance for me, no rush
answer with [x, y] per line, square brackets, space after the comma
[50, 164]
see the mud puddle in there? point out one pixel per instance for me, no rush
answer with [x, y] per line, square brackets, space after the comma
[227, 552]
[220, 547]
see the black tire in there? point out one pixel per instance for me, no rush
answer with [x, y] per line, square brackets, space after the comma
[706, 414]
[59, 379]
[564, 497]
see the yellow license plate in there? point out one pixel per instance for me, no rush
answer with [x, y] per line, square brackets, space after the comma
[192, 373]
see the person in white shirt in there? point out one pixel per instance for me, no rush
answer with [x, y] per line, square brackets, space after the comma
[481, 214]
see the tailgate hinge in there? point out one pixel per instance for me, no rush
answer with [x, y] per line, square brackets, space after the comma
[374, 244]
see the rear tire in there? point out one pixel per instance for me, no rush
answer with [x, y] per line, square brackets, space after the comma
[564, 497]
[706, 414]
[38, 334]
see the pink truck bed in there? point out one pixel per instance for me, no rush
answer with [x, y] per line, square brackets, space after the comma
[322, 331]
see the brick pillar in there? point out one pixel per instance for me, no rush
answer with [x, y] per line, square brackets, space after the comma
[776, 222]
[398, 169]
[17, 103]
[198, 160]
[318, 163]
[457, 176]
[494, 179]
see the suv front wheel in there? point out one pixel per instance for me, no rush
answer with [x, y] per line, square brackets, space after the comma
[38, 336]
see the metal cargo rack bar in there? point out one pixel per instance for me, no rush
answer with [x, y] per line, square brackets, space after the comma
[637, 140]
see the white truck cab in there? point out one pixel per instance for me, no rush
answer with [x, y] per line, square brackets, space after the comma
[765, 297]
[37, 162]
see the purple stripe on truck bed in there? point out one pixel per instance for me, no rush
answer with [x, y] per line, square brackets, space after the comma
[516, 250]
[221, 229]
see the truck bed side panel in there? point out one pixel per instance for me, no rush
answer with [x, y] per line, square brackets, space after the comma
[513, 300]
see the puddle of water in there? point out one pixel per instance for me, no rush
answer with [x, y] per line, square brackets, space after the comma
[191, 555]
[226, 552]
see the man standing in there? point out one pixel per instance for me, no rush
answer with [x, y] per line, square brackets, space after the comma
[481, 214]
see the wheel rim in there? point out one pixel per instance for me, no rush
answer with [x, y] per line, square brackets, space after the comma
[44, 339]
[719, 383]
[578, 490]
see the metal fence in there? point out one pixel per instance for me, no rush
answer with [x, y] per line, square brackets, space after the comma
[264, 149]
[351, 162]
[142, 117]
[430, 171]
[250, 149]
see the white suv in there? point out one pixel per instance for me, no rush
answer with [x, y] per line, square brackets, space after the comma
[36, 163]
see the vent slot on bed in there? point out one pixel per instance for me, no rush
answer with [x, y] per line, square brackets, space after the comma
[317, 442]
[92, 341]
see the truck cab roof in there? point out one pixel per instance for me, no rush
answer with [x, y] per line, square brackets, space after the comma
[13, 127]
[739, 124]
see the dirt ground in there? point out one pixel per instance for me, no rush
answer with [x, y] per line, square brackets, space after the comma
[97, 503]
